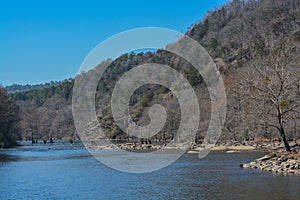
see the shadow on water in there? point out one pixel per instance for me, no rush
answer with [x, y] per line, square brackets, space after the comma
[4, 158]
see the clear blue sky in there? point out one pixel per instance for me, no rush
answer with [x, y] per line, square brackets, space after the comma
[43, 40]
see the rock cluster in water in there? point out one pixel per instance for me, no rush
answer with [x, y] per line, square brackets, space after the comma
[279, 162]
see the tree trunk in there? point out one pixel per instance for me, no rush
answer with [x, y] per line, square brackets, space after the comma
[32, 140]
[50, 138]
[285, 142]
[282, 132]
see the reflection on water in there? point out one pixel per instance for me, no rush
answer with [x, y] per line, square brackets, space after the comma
[6, 158]
[63, 171]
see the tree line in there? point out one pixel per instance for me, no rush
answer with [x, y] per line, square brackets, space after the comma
[9, 117]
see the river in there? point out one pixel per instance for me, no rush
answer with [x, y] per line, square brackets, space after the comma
[64, 171]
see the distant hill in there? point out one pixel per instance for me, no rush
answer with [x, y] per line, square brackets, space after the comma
[23, 88]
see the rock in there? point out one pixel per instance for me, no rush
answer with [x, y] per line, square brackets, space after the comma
[283, 158]
[245, 165]
[286, 165]
[231, 151]
[252, 163]
[266, 157]
[280, 162]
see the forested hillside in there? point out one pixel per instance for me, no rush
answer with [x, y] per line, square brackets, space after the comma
[46, 113]
[9, 117]
[22, 88]
[255, 44]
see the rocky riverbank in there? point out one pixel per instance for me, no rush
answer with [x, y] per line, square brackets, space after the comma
[234, 146]
[147, 146]
[228, 147]
[279, 162]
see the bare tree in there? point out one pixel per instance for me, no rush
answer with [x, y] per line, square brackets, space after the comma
[274, 85]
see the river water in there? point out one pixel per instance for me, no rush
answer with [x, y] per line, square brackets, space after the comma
[64, 171]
